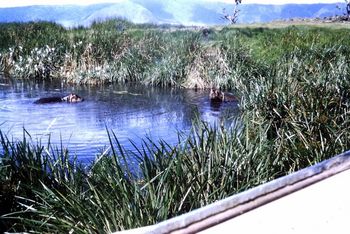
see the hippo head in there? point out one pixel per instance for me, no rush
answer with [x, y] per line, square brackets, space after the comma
[72, 98]
[216, 95]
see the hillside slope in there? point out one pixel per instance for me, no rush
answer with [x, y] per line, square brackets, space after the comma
[167, 11]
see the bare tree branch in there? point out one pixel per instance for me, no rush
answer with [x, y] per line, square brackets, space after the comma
[232, 18]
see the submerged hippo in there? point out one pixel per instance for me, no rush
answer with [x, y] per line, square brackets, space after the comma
[216, 95]
[70, 98]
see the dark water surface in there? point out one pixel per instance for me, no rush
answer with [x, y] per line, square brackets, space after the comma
[132, 112]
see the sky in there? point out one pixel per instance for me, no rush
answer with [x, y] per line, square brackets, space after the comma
[14, 3]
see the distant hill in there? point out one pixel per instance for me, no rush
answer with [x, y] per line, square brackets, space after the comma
[183, 12]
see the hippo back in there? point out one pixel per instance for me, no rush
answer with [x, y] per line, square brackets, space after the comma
[229, 97]
[71, 98]
[48, 100]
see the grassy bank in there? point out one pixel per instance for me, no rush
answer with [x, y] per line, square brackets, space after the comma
[293, 85]
[118, 51]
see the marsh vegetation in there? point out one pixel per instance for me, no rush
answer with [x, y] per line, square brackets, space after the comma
[293, 87]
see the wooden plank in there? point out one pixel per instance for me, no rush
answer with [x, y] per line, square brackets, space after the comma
[320, 208]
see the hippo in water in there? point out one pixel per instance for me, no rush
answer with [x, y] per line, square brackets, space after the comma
[216, 95]
[70, 98]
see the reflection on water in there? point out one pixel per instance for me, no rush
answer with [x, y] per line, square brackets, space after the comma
[132, 112]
